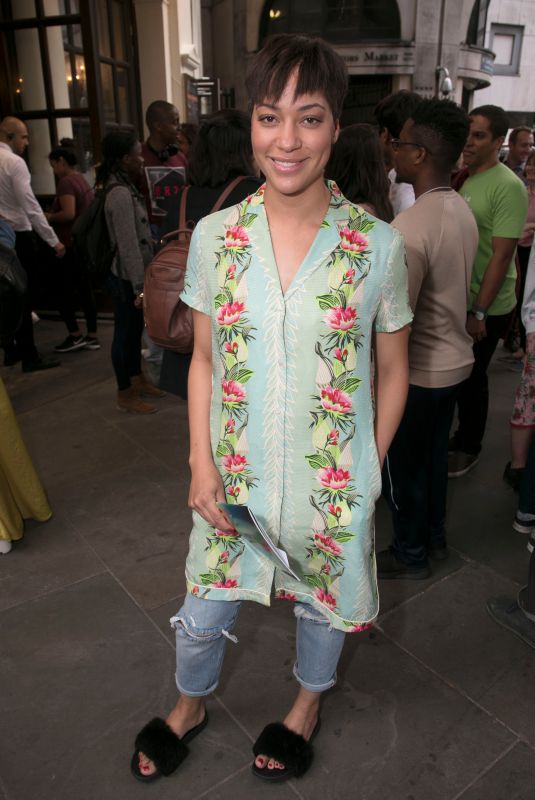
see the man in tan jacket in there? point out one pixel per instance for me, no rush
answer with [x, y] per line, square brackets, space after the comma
[441, 241]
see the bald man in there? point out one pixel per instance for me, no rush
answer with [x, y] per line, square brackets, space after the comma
[20, 208]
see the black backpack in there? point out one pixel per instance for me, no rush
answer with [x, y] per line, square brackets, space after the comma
[13, 286]
[92, 239]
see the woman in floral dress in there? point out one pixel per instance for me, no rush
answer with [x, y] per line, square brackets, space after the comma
[290, 289]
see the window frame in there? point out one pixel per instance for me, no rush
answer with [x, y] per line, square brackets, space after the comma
[517, 32]
[87, 19]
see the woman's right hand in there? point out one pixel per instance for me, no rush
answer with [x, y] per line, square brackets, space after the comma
[206, 490]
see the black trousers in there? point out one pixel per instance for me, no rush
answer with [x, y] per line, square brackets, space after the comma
[72, 286]
[127, 331]
[22, 344]
[415, 475]
[526, 504]
[473, 402]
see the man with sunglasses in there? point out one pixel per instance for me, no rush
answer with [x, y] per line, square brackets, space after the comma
[441, 240]
[391, 113]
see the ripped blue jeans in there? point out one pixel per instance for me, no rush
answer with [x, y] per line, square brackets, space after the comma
[203, 627]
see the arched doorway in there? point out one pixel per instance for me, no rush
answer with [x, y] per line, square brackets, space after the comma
[342, 23]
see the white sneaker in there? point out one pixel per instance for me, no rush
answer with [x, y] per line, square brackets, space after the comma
[5, 546]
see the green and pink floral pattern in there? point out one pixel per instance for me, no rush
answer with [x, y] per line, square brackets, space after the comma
[291, 416]
[233, 259]
[333, 413]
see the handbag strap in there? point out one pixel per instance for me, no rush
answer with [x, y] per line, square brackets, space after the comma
[225, 193]
[182, 225]
[182, 213]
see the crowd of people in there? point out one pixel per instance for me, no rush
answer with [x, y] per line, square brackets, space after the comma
[347, 298]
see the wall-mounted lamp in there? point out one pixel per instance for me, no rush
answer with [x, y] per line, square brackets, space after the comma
[445, 86]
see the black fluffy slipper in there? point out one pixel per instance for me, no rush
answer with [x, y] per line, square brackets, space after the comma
[293, 750]
[165, 749]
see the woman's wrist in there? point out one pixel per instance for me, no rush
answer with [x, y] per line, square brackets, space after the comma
[201, 461]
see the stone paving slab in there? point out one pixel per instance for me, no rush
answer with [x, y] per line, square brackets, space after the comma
[419, 713]
[49, 556]
[388, 717]
[71, 450]
[452, 633]
[513, 774]
[393, 593]
[82, 670]
[139, 527]
[77, 372]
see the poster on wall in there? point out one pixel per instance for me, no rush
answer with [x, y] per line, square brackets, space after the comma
[165, 184]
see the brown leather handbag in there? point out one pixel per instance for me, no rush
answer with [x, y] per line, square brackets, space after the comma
[168, 320]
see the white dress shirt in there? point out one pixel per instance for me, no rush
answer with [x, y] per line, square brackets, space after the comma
[17, 200]
[401, 194]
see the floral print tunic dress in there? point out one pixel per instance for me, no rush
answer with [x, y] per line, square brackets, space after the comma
[291, 411]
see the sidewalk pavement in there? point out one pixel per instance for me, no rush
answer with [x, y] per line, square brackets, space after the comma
[436, 703]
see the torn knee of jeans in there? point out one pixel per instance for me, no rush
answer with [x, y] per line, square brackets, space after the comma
[309, 613]
[186, 624]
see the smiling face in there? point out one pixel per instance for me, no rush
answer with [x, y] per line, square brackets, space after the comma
[481, 149]
[521, 148]
[292, 139]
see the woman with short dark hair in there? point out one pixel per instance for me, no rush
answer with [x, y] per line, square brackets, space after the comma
[289, 290]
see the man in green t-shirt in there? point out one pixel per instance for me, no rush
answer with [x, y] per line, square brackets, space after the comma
[499, 203]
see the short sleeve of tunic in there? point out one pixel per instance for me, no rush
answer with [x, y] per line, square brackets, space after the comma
[394, 311]
[196, 291]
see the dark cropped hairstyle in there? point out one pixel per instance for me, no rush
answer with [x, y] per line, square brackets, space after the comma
[115, 146]
[222, 149]
[356, 164]
[64, 150]
[156, 111]
[498, 119]
[442, 127]
[393, 111]
[320, 70]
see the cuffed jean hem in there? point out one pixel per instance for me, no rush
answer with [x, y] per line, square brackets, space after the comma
[312, 687]
[203, 693]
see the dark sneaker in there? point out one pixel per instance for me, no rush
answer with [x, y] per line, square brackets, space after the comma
[438, 553]
[71, 343]
[512, 614]
[388, 566]
[40, 364]
[513, 476]
[452, 444]
[524, 525]
[91, 343]
[460, 463]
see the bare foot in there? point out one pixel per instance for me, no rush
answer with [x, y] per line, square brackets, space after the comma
[301, 719]
[188, 712]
